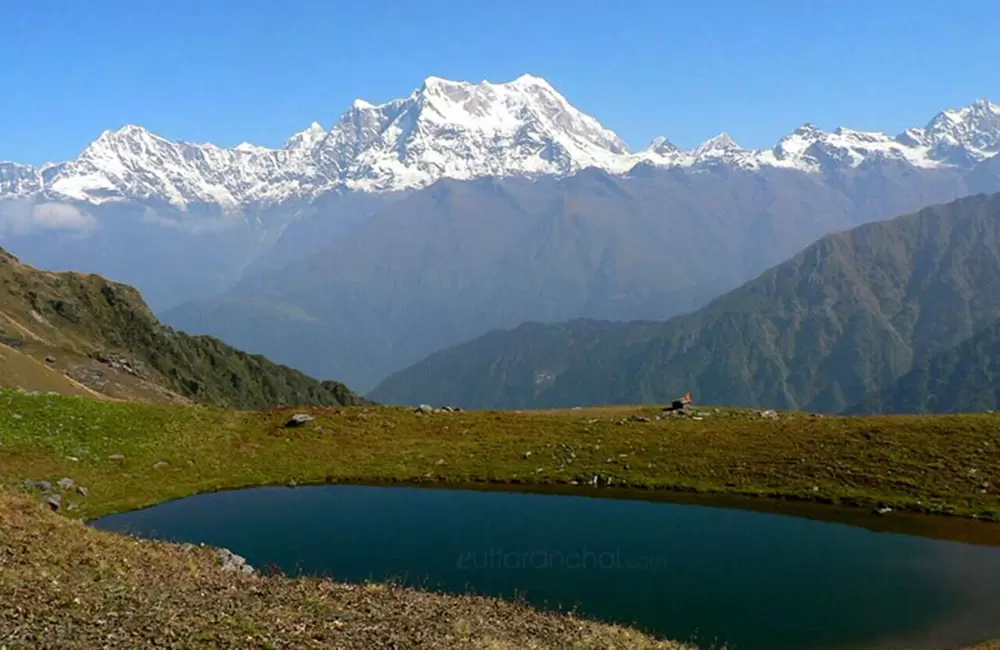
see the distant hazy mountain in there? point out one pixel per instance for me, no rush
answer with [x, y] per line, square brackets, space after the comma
[848, 316]
[418, 223]
[460, 258]
[963, 379]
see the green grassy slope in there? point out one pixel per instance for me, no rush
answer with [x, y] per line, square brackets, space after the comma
[101, 335]
[946, 464]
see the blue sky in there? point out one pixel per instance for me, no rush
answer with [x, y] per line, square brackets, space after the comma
[258, 70]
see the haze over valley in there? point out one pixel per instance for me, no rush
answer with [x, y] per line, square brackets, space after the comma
[411, 226]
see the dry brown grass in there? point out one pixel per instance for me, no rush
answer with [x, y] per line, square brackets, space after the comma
[63, 585]
[21, 370]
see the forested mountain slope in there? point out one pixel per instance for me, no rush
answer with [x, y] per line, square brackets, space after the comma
[846, 317]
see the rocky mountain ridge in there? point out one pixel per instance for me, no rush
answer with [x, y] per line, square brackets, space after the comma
[457, 130]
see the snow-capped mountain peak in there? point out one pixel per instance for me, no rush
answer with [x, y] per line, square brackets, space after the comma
[723, 149]
[443, 128]
[528, 79]
[795, 144]
[957, 137]
[308, 138]
[970, 131]
[720, 143]
[662, 146]
[460, 130]
[134, 163]
[810, 148]
[972, 115]
[17, 180]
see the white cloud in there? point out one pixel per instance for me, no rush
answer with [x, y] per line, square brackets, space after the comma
[20, 217]
[62, 216]
[196, 226]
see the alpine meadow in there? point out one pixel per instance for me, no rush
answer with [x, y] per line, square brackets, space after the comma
[381, 326]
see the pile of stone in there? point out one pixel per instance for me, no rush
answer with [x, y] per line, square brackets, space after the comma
[427, 409]
[51, 495]
[119, 362]
[90, 377]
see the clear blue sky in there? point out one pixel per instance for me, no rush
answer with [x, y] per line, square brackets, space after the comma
[258, 70]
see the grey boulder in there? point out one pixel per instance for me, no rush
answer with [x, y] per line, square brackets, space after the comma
[299, 419]
[233, 562]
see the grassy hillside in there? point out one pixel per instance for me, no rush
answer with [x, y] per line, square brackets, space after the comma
[81, 334]
[19, 370]
[846, 317]
[946, 464]
[964, 378]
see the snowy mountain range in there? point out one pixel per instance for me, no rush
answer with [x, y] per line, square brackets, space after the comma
[353, 251]
[458, 130]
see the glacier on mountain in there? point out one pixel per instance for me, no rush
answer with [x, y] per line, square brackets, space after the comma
[458, 130]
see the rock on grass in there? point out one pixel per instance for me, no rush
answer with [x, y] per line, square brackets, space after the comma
[299, 420]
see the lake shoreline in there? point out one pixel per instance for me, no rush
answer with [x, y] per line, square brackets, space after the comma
[497, 543]
[933, 525]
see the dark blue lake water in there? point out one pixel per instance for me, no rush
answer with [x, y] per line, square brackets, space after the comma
[712, 575]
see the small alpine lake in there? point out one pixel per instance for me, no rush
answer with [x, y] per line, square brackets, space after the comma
[707, 574]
